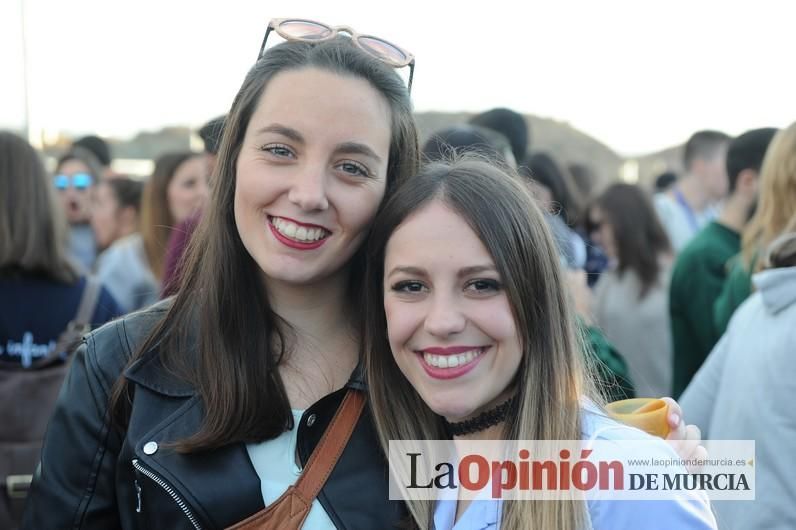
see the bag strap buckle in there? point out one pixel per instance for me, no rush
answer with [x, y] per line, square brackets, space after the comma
[17, 486]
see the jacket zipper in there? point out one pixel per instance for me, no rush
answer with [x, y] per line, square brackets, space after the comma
[168, 489]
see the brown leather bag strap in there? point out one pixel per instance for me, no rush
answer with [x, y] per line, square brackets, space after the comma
[329, 449]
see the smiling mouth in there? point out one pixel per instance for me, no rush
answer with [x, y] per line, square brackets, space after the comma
[296, 232]
[452, 361]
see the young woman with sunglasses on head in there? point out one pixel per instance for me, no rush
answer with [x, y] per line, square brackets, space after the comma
[198, 413]
[470, 335]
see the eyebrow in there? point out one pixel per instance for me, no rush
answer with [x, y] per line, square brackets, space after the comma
[350, 148]
[283, 130]
[355, 148]
[467, 271]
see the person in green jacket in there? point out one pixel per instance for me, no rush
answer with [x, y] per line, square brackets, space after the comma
[776, 208]
[701, 267]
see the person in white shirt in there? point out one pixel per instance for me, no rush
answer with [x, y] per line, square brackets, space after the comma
[692, 202]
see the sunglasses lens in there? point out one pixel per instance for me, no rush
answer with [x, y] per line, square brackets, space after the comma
[61, 182]
[384, 50]
[81, 181]
[304, 30]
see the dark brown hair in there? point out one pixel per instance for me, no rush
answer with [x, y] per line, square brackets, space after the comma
[640, 238]
[239, 339]
[33, 229]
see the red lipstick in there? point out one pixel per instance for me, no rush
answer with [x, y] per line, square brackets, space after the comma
[292, 243]
[450, 373]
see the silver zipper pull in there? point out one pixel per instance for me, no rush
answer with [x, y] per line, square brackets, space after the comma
[138, 494]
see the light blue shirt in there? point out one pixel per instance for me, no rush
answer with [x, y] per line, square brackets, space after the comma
[689, 512]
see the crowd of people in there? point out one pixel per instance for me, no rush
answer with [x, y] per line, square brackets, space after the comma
[317, 256]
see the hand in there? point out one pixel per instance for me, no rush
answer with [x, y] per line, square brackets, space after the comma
[686, 440]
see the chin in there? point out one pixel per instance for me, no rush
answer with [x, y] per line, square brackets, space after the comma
[451, 408]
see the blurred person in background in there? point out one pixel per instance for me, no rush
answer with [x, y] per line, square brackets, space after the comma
[181, 234]
[776, 206]
[176, 190]
[123, 265]
[691, 203]
[76, 173]
[745, 390]
[101, 151]
[553, 188]
[511, 125]
[665, 181]
[41, 292]
[631, 298]
[701, 267]
[465, 138]
[586, 182]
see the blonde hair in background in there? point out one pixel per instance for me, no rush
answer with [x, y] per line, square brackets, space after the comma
[552, 378]
[782, 251]
[33, 229]
[777, 203]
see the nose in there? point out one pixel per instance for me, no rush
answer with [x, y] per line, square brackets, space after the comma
[444, 317]
[308, 189]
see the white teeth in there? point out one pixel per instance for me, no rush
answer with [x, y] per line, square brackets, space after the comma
[294, 231]
[451, 361]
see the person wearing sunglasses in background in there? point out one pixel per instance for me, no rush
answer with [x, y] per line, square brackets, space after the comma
[75, 175]
[199, 412]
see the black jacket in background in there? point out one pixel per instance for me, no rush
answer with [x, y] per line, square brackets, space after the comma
[94, 477]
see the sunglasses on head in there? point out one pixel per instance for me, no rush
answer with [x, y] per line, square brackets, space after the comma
[79, 181]
[299, 29]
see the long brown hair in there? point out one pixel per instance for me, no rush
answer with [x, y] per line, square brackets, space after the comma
[640, 239]
[156, 217]
[239, 339]
[33, 228]
[777, 203]
[510, 225]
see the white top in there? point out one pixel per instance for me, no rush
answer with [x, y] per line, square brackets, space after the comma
[680, 222]
[275, 464]
[691, 511]
[639, 328]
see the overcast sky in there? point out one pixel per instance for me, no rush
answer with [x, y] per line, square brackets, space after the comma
[637, 75]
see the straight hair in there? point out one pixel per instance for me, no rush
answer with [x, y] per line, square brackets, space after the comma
[221, 333]
[156, 217]
[33, 229]
[641, 241]
[777, 203]
[526, 257]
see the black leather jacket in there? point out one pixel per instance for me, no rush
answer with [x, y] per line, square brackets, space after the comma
[93, 476]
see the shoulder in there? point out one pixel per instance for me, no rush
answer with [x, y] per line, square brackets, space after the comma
[110, 347]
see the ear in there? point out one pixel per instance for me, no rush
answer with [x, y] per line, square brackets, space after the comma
[747, 180]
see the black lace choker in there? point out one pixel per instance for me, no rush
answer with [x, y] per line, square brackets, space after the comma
[483, 421]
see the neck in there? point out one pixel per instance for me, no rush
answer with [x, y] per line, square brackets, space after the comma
[487, 424]
[735, 213]
[495, 432]
[317, 312]
[693, 193]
